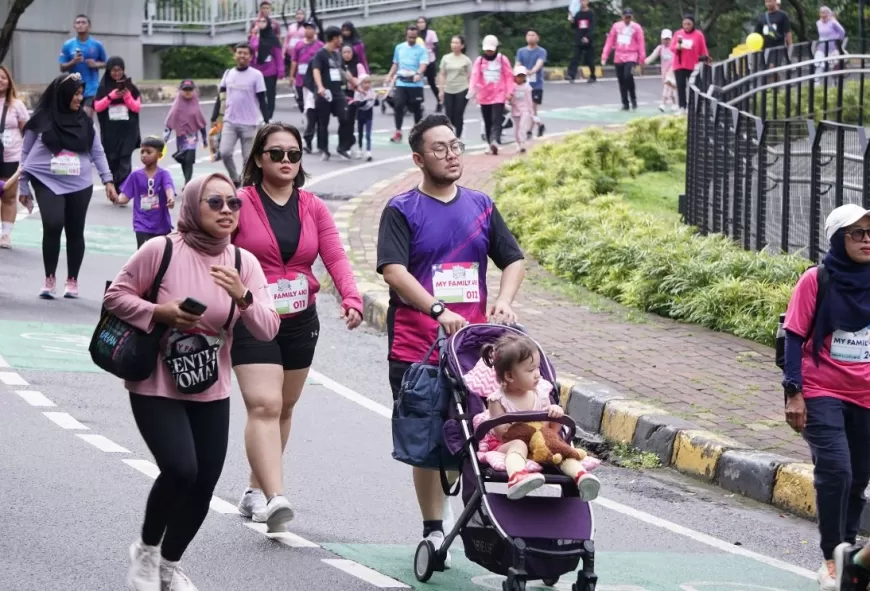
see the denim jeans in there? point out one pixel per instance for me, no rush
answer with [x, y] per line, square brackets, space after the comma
[838, 434]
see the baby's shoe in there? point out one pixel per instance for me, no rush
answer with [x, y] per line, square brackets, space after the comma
[588, 485]
[522, 483]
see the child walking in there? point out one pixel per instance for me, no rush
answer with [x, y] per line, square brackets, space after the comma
[152, 192]
[516, 361]
[185, 118]
[669, 82]
[522, 107]
[364, 97]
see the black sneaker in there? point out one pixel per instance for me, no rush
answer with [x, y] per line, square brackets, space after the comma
[850, 576]
[541, 129]
[344, 154]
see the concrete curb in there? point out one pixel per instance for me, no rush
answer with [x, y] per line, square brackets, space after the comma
[768, 478]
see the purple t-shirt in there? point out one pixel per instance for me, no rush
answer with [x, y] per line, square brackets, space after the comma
[150, 212]
[242, 86]
[303, 53]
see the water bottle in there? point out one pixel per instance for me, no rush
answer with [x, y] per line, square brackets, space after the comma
[780, 342]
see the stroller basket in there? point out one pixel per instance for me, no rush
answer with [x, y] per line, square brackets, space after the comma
[536, 537]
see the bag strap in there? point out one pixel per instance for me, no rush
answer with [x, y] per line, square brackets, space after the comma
[3, 117]
[238, 266]
[161, 271]
[823, 280]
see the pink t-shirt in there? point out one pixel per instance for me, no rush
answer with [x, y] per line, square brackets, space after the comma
[13, 139]
[188, 276]
[844, 360]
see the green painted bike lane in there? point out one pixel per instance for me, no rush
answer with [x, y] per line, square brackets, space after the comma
[617, 571]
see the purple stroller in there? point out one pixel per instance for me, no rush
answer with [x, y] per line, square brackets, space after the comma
[526, 539]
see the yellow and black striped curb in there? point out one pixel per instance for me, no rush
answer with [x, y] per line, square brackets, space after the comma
[679, 444]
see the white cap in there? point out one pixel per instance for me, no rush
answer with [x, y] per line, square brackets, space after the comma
[667, 34]
[843, 216]
[490, 43]
[520, 69]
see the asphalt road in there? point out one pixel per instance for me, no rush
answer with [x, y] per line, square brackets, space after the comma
[74, 472]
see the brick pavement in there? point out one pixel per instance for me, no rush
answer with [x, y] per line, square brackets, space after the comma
[720, 382]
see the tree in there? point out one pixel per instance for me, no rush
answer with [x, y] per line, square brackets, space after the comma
[15, 11]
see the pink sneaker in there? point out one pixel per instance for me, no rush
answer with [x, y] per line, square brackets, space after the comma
[522, 483]
[71, 289]
[48, 290]
[5, 241]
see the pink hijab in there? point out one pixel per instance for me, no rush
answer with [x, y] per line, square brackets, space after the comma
[190, 221]
[185, 116]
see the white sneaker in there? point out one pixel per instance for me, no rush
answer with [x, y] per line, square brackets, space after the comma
[278, 514]
[144, 571]
[826, 577]
[437, 538]
[173, 578]
[368, 155]
[253, 505]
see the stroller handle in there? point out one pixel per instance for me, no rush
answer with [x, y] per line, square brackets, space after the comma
[524, 417]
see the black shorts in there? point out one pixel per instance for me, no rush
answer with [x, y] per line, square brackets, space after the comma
[7, 169]
[143, 237]
[538, 95]
[293, 348]
[397, 372]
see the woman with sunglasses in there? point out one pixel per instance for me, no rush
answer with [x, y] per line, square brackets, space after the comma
[827, 382]
[286, 228]
[183, 414]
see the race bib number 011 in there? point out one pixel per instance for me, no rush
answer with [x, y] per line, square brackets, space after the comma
[851, 347]
[456, 283]
[66, 164]
[290, 295]
[119, 113]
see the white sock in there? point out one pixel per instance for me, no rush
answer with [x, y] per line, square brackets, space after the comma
[6, 227]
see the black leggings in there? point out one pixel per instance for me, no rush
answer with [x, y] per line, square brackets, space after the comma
[189, 443]
[432, 78]
[682, 77]
[121, 167]
[187, 159]
[271, 93]
[62, 214]
[454, 108]
[492, 116]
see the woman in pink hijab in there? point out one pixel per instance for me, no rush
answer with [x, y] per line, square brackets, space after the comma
[185, 118]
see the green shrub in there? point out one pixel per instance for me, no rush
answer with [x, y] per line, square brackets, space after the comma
[559, 203]
[199, 63]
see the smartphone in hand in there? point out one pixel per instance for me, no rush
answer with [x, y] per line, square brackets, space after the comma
[192, 306]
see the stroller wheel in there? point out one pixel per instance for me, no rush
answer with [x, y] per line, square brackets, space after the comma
[424, 561]
[551, 582]
[514, 586]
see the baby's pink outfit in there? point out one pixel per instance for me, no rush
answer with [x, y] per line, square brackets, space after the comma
[522, 112]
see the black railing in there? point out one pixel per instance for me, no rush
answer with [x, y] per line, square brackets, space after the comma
[776, 140]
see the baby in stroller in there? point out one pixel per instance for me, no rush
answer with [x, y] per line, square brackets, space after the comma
[517, 363]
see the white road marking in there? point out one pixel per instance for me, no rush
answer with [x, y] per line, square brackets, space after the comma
[223, 507]
[3, 362]
[147, 468]
[10, 378]
[286, 538]
[372, 577]
[34, 398]
[697, 536]
[103, 443]
[64, 420]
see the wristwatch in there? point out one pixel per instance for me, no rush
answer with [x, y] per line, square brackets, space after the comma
[791, 389]
[436, 310]
[246, 300]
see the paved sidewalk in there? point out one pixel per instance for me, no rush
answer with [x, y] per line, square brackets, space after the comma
[719, 382]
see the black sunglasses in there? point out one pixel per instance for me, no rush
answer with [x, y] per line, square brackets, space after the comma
[858, 234]
[216, 203]
[278, 155]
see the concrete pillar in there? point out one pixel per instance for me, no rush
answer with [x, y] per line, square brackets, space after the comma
[151, 63]
[471, 32]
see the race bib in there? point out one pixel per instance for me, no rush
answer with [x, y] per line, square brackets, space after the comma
[457, 283]
[66, 164]
[294, 41]
[851, 347]
[533, 77]
[149, 202]
[119, 113]
[335, 74]
[688, 43]
[584, 24]
[667, 55]
[8, 137]
[302, 69]
[290, 295]
[624, 37]
[492, 72]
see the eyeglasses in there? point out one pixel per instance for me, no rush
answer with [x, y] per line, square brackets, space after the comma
[216, 203]
[440, 150]
[858, 234]
[278, 155]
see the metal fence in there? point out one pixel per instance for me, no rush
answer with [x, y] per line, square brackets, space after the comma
[776, 140]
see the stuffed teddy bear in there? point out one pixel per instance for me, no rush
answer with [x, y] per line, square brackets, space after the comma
[546, 446]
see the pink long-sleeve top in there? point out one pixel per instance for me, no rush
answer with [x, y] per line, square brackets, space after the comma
[273, 67]
[318, 236]
[666, 56]
[188, 276]
[688, 49]
[492, 81]
[628, 43]
[522, 103]
[134, 104]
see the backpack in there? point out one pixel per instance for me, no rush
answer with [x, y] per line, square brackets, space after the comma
[823, 279]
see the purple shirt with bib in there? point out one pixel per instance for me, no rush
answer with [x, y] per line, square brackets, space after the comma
[150, 210]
